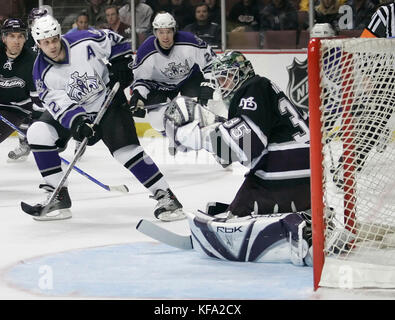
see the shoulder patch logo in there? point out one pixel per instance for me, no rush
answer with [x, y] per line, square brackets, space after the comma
[297, 89]
[39, 86]
[248, 103]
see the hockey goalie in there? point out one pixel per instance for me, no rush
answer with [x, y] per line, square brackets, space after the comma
[264, 131]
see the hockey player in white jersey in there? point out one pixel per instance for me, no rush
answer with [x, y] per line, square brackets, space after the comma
[168, 63]
[72, 78]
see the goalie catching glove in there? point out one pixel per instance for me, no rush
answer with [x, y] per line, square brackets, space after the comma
[83, 128]
[183, 110]
[188, 124]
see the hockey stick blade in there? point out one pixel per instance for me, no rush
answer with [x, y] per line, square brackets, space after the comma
[121, 188]
[165, 236]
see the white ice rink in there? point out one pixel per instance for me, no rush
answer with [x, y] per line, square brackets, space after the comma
[99, 254]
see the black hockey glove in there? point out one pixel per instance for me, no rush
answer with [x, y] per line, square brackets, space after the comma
[121, 70]
[82, 128]
[206, 92]
[136, 104]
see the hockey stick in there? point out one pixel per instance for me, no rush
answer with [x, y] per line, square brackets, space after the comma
[165, 236]
[43, 209]
[120, 188]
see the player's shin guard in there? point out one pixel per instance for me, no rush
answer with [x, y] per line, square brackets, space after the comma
[49, 163]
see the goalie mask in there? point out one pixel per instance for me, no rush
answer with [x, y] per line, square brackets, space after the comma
[231, 71]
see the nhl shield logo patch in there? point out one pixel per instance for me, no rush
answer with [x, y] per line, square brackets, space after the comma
[297, 89]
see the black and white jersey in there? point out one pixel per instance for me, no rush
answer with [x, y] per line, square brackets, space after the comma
[16, 81]
[382, 24]
[266, 133]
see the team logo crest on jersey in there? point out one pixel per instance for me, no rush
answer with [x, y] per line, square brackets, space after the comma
[81, 88]
[176, 71]
[13, 82]
[39, 86]
[248, 103]
[297, 89]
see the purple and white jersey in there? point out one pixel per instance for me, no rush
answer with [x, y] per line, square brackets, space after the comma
[78, 84]
[158, 69]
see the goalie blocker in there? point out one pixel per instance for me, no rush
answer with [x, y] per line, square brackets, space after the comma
[265, 238]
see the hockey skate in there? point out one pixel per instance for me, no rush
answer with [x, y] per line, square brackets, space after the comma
[168, 207]
[21, 152]
[59, 209]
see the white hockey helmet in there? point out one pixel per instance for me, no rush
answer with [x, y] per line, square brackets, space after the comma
[45, 27]
[164, 21]
[322, 30]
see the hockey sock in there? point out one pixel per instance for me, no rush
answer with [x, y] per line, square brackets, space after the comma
[141, 165]
[49, 163]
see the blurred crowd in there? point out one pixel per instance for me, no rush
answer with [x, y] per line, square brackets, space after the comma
[201, 17]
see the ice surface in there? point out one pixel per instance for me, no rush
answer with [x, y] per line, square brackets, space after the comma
[98, 253]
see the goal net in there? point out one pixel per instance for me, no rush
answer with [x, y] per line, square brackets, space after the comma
[352, 123]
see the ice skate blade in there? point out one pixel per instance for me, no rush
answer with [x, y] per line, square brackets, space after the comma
[61, 214]
[169, 216]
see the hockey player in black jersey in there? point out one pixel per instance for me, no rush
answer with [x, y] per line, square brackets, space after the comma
[265, 132]
[19, 101]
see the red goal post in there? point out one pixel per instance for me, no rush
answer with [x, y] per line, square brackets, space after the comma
[351, 104]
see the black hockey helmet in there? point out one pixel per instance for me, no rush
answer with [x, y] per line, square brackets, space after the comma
[13, 25]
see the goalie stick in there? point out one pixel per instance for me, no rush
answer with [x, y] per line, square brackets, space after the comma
[120, 188]
[42, 210]
[165, 236]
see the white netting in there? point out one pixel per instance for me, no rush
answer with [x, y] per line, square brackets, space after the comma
[358, 123]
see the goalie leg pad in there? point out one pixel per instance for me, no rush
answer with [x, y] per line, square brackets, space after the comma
[213, 208]
[268, 238]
